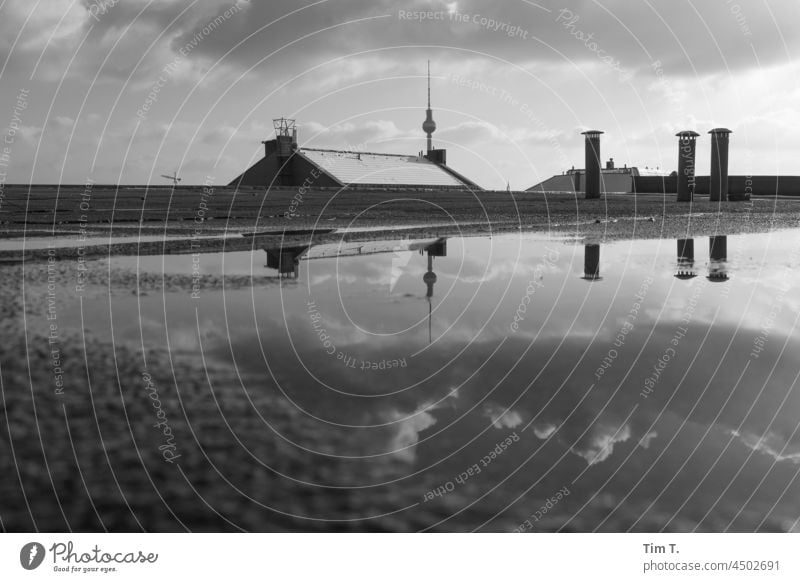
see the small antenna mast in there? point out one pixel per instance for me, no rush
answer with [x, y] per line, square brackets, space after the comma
[429, 84]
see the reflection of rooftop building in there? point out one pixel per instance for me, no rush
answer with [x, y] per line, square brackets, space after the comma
[591, 263]
[437, 248]
[686, 268]
[286, 260]
[718, 263]
[286, 164]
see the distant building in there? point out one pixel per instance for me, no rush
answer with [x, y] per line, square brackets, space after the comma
[286, 164]
[613, 180]
[628, 180]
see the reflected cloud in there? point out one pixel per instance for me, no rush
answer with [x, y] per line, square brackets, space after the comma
[644, 442]
[402, 444]
[770, 444]
[544, 431]
[501, 417]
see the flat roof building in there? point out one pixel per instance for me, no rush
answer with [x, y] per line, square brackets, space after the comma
[613, 179]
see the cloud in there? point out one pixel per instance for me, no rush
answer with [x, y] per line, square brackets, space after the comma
[356, 69]
[644, 442]
[402, 443]
[686, 38]
[216, 135]
[30, 28]
[598, 445]
[350, 135]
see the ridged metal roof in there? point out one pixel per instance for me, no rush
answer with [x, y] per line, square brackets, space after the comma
[384, 169]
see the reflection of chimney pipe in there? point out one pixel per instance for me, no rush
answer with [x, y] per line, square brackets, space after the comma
[686, 259]
[719, 164]
[593, 173]
[591, 263]
[686, 251]
[687, 143]
[718, 253]
[718, 248]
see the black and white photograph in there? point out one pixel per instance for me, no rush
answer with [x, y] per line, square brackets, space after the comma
[302, 268]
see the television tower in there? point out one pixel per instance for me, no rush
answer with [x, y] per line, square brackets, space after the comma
[429, 126]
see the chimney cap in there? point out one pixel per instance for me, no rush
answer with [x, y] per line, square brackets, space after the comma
[592, 132]
[688, 133]
[720, 130]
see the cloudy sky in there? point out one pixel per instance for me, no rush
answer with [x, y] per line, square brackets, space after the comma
[126, 90]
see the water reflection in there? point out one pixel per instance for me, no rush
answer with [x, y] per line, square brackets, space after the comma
[658, 405]
[437, 249]
[286, 260]
[591, 263]
[686, 268]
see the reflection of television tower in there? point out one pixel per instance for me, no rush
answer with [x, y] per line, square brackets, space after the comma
[686, 268]
[429, 279]
[437, 249]
[591, 263]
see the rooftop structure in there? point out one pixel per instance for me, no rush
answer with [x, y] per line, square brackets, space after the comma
[615, 180]
[285, 164]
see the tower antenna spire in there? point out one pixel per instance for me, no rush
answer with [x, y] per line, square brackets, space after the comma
[429, 126]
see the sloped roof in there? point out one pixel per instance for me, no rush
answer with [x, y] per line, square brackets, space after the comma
[611, 183]
[558, 183]
[386, 169]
